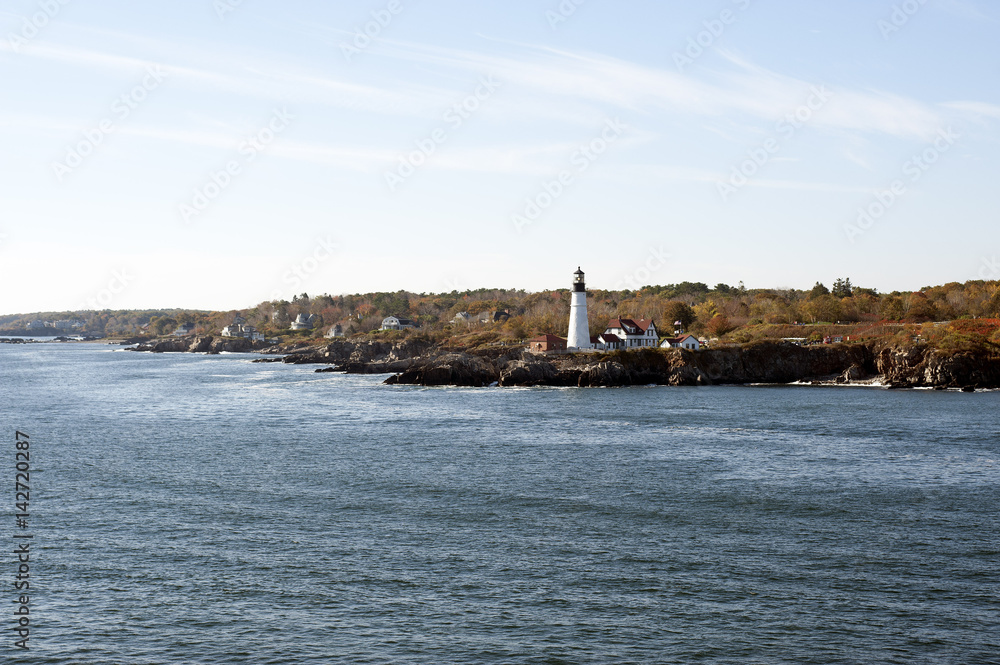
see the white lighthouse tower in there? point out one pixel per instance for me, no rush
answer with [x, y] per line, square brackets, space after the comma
[579, 329]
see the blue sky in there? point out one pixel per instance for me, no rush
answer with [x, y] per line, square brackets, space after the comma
[216, 153]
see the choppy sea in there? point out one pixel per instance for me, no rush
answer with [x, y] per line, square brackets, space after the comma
[205, 509]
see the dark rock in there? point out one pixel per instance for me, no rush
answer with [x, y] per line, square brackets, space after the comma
[369, 351]
[201, 344]
[920, 366]
[451, 369]
[852, 373]
[305, 359]
[527, 373]
[777, 362]
[323, 370]
[166, 346]
[231, 345]
[607, 374]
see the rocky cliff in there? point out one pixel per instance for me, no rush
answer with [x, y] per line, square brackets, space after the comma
[923, 367]
[416, 361]
[200, 344]
[759, 363]
[765, 362]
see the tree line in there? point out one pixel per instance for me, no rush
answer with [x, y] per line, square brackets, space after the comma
[700, 309]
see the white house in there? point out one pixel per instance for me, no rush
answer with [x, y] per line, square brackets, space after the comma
[336, 331]
[461, 317]
[303, 322]
[397, 323]
[633, 334]
[689, 342]
[240, 328]
[184, 329]
[495, 316]
[607, 342]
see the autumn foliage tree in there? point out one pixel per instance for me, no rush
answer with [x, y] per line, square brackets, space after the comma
[718, 326]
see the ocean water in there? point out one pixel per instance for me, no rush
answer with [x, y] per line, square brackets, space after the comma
[204, 509]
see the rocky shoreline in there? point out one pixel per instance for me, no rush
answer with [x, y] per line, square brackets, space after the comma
[418, 362]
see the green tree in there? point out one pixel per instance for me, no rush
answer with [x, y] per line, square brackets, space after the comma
[163, 325]
[678, 311]
[823, 308]
[842, 288]
[818, 290]
[992, 305]
[891, 308]
[919, 308]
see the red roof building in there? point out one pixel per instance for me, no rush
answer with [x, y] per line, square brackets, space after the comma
[546, 343]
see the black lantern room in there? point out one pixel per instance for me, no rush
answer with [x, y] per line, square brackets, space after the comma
[578, 284]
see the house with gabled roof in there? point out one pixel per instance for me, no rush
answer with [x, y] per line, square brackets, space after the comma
[634, 334]
[546, 343]
[494, 316]
[689, 342]
[607, 342]
[240, 328]
[304, 322]
[397, 323]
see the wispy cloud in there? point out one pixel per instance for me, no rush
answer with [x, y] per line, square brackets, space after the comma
[975, 108]
[541, 86]
[965, 10]
[256, 80]
[743, 88]
[532, 77]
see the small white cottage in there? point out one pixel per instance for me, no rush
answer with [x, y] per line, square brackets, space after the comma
[689, 342]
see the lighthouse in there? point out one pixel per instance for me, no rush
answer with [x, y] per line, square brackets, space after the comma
[579, 329]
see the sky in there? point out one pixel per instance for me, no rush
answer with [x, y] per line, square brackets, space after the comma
[213, 154]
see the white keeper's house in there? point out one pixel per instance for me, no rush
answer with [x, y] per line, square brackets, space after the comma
[629, 334]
